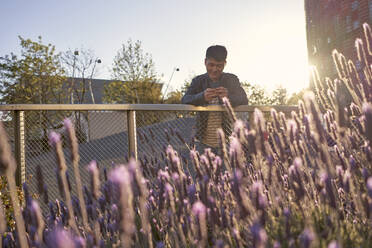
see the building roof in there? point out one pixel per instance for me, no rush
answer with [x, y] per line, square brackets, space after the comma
[98, 86]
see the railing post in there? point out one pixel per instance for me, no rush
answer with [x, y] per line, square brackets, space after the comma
[132, 134]
[19, 142]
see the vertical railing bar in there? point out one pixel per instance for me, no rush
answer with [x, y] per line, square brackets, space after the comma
[132, 134]
[19, 142]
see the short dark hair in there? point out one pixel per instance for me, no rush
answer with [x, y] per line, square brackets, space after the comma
[216, 52]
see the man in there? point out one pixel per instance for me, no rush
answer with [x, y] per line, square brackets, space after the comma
[209, 89]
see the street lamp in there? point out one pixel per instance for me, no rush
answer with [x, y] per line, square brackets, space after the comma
[99, 61]
[76, 53]
[170, 79]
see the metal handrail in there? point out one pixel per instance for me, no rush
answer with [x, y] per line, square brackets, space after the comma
[140, 107]
[19, 130]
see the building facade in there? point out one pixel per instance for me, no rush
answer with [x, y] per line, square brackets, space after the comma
[334, 24]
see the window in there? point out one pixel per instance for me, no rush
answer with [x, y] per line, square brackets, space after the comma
[370, 9]
[356, 24]
[354, 5]
[329, 40]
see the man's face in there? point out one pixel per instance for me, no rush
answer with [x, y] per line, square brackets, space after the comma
[214, 68]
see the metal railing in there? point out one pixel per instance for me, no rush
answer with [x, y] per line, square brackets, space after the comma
[109, 133]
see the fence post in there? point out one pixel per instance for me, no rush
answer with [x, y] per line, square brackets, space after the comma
[132, 134]
[19, 149]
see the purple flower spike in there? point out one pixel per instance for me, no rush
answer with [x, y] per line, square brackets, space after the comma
[367, 111]
[225, 100]
[259, 235]
[258, 117]
[59, 238]
[257, 186]
[334, 244]
[297, 163]
[352, 162]
[92, 166]
[307, 237]
[67, 123]
[324, 177]
[120, 175]
[163, 174]
[175, 176]
[239, 127]
[160, 244]
[339, 171]
[168, 188]
[132, 165]
[54, 138]
[276, 244]
[198, 208]
[369, 186]
[80, 242]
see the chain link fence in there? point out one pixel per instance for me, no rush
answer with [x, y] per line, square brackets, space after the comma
[103, 137]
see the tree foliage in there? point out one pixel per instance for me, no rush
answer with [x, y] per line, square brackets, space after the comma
[256, 94]
[132, 64]
[132, 92]
[34, 77]
[174, 97]
[295, 97]
[136, 78]
[279, 96]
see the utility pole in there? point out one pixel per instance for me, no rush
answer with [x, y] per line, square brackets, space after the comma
[76, 53]
[90, 79]
[170, 79]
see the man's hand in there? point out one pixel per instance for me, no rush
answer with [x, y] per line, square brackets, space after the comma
[222, 92]
[209, 94]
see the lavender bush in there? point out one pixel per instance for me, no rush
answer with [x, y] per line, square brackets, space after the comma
[303, 181]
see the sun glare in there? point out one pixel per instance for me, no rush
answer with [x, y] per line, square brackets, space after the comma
[272, 61]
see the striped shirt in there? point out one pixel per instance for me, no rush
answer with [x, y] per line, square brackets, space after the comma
[213, 123]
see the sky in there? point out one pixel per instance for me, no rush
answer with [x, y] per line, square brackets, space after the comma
[265, 39]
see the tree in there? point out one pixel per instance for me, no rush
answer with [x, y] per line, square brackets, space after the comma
[132, 92]
[134, 71]
[81, 67]
[279, 96]
[35, 77]
[295, 97]
[256, 94]
[174, 97]
[132, 64]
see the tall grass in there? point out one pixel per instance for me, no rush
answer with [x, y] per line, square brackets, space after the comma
[303, 181]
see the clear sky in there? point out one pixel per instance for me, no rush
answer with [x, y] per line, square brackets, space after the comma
[266, 39]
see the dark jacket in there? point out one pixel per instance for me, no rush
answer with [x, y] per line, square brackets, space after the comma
[195, 93]
[195, 96]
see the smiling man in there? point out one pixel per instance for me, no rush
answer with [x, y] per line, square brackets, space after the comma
[209, 89]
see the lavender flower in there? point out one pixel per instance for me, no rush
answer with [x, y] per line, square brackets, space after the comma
[198, 208]
[54, 138]
[259, 235]
[334, 244]
[94, 180]
[122, 178]
[369, 186]
[307, 237]
[367, 111]
[60, 238]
